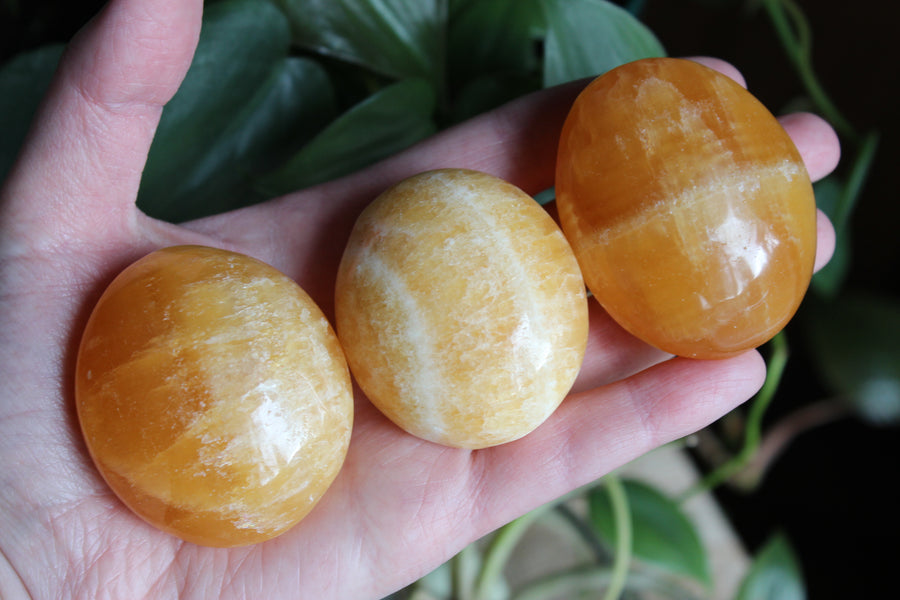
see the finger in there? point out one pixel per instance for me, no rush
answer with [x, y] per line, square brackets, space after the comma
[595, 432]
[825, 240]
[723, 67]
[612, 353]
[814, 137]
[816, 140]
[81, 166]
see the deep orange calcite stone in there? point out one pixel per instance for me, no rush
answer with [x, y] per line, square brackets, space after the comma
[688, 206]
[213, 395]
[461, 308]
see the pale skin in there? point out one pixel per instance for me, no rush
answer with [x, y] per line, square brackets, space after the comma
[400, 506]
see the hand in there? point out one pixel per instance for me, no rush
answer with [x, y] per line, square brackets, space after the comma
[400, 506]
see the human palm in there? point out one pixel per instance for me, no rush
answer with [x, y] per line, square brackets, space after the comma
[400, 506]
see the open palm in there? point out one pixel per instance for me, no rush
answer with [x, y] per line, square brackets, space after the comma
[400, 506]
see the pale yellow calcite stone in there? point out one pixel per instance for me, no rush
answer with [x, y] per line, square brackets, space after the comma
[688, 206]
[213, 395]
[461, 308]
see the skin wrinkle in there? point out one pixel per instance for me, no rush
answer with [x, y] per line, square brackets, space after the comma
[66, 535]
[173, 575]
[102, 563]
[643, 403]
[231, 583]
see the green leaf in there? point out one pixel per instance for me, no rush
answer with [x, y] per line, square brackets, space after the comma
[774, 575]
[494, 36]
[244, 106]
[830, 278]
[396, 38]
[464, 570]
[586, 38]
[661, 533]
[385, 123]
[23, 82]
[439, 582]
[488, 92]
[853, 341]
[593, 581]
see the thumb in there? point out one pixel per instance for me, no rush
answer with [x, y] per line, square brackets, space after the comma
[79, 170]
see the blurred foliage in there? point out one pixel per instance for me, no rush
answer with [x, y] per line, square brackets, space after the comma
[285, 94]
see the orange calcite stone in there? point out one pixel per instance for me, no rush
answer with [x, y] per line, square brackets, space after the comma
[213, 395]
[461, 308]
[688, 206]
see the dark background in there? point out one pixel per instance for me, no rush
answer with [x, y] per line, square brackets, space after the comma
[834, 492]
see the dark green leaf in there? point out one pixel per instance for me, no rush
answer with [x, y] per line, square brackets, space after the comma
[23, 82]
[397, 38]
[494, 36]
[385, 123]
[488, 92]
[243, 108]
[830, 278]
[586, 38]
[828, 195]
[853, 340]
[635, 7]
[661, 533]
[774, 575]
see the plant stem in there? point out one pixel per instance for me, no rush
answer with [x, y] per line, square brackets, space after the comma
[794, 32]
[779, 437]
[753, 429]
[585, 532]
[497, 554]
[622, 519]
[593, 578]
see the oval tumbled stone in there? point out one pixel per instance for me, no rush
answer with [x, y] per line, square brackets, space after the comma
[213, 395]
[688, 206]
[461, 308]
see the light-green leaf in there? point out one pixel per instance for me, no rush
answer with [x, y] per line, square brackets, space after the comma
[586, 38]
[243, 108]
[23, 82]
[774, 575]
[662, 534]
[383, 124]
[396, 38]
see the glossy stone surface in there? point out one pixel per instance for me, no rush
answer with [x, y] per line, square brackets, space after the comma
[213, 395]
[688, 207]
[461, 308]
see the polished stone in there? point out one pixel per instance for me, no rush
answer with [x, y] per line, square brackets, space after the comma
[461, 308]
[688, 206]
[213, 395]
